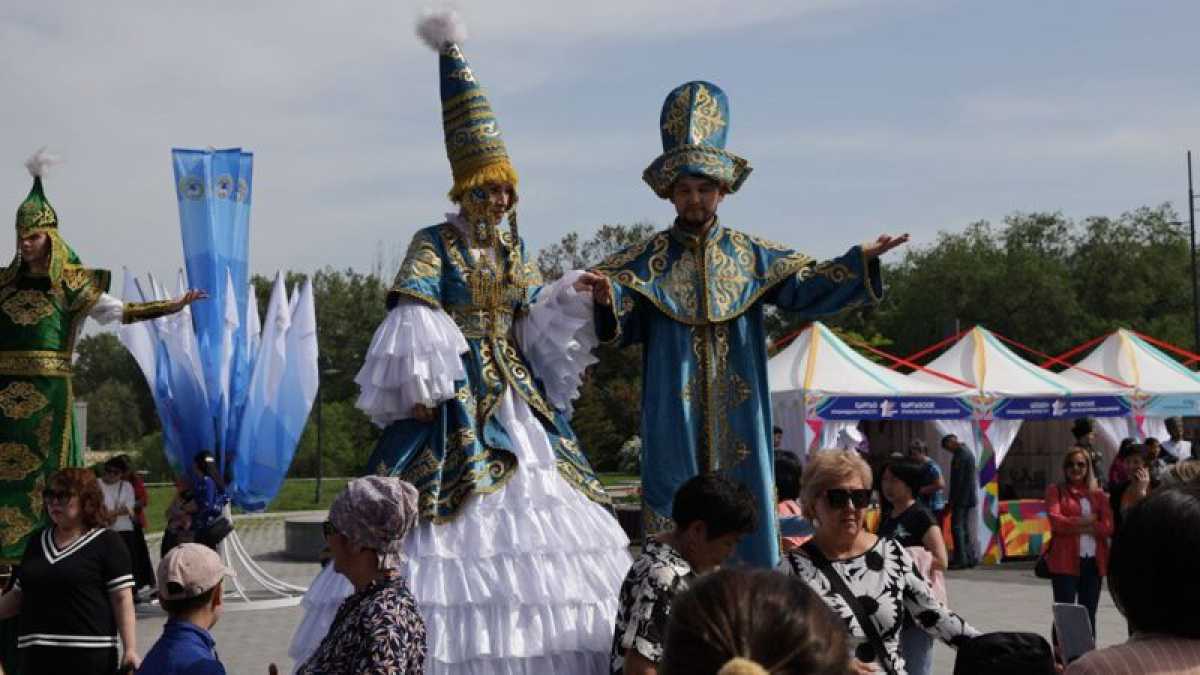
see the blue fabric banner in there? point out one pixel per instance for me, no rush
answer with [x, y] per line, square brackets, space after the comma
[894, 408]
[211, 389]
[213, 191]
[1173, 405]
[1061, 408]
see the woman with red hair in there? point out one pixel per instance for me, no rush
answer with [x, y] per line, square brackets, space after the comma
[73, 590]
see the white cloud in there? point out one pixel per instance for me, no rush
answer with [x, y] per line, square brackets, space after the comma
[338, 101]
[328, 95]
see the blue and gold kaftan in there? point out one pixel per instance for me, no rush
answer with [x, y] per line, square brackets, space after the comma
[467, 450]
[695, 303]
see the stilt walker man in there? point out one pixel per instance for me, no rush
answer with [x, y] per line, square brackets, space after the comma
[693, 296]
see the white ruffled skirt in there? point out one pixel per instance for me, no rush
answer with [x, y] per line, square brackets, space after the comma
[524, 581]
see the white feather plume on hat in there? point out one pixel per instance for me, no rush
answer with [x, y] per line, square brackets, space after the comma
[40, 162]
[437, 28]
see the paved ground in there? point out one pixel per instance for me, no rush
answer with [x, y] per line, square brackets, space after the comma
[249, 640]
[991, 599]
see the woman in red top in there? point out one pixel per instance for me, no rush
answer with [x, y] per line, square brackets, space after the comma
[1080, 524]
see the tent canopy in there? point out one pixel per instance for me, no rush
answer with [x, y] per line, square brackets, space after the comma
[819, 361]
[994, 370]
[1128, 358]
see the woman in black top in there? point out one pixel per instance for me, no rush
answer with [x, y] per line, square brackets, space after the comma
[912, 525]
[73, 590]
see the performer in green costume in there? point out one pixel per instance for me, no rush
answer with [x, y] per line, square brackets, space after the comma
[45, 295]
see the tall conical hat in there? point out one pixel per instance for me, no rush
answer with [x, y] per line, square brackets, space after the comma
[694, 124]
[473, 141]
[35, 213]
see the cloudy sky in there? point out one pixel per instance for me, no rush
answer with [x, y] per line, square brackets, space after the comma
[859, 116]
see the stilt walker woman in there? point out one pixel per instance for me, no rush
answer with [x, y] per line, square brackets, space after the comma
[517, 562]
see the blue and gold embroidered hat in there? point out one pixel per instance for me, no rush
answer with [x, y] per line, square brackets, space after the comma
[473, 141]
[694, 123]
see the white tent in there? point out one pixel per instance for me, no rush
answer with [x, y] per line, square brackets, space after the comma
[1157, 385]
[818, 364]
[1000, 378]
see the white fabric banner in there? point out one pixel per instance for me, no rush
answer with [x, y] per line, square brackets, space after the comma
[787, 413]
[840, 435]
[1115, 429]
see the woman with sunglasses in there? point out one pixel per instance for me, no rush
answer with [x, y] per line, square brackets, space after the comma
[868, 581]
[74, 588]
[1081, 522]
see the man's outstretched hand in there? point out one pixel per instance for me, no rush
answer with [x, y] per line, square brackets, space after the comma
[883, 244]
[188, 298]
[597, 284]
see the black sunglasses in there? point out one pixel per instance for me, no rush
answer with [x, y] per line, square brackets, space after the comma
[56, 495]
[328, 529]
[839, 497]
[1076, 465]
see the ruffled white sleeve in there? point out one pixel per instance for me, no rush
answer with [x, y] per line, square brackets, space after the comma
[557, 336]
[414, 357]
[107, 309]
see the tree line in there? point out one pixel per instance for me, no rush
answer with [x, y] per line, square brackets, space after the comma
[1039, 278]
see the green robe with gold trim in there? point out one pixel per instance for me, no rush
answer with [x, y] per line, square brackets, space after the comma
[39, 322]
[40, 319]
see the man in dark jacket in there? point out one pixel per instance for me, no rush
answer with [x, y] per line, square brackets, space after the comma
[964, 497]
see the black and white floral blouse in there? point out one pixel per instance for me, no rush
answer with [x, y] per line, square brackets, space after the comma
[888, 586]
[656, 577]
[377, 630]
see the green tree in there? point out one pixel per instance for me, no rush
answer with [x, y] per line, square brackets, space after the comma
[1134, 271]
[1005, 280]
[349, 305]
[101, 359]
[112, 416]
[148, 455]
[347, 439]
[572, 254]
[608, 410]
[1042, 280]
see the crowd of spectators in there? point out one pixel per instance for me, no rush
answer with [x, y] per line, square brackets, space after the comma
[844, 600]
[885, 592]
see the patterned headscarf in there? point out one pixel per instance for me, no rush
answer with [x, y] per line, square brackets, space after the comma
[376, 512]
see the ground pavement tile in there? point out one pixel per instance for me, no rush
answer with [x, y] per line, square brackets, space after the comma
[1005, 598]
[247, 641]
[1011, 598]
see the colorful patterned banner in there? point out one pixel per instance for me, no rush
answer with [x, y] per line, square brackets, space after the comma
[991, 494]
[1024, 527]
[1024, 531]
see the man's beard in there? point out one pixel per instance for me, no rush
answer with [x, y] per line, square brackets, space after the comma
[695, 219]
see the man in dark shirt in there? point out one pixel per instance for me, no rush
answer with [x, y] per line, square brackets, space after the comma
[777, 445]
[964, 497]
[189, 588]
